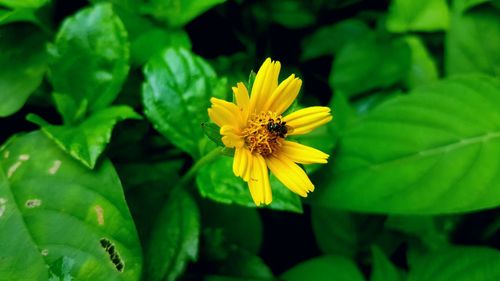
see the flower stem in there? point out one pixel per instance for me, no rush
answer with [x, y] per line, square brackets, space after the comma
[209, 157]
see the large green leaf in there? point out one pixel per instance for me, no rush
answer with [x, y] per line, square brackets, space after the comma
[178, 13]
[176, 95]
[174, 238]
[422, 15]
[430, 152]
[325, 268]
[23, 3]
[458, 264]
[328, 40]
[90, 61]
[24, 62]
[52, 207]
[217, 182]
[87, 140]
[369, 63]
[472, 43]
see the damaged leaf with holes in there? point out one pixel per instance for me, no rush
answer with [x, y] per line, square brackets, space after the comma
[47, 216]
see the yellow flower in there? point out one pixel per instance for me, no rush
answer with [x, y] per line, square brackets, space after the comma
[255, 127]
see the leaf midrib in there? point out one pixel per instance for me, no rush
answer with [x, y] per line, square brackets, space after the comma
[433, 151]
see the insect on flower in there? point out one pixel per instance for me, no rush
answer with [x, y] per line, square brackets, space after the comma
[255, 128]
[279, 129]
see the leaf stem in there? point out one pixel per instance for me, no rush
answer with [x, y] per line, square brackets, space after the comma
[209, 157]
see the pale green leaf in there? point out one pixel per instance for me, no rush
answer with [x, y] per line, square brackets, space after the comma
[87, 140]
[422, 15]
[180, 12]
[53, 207]
[24, 63]
[90, 59]
[430, 152]
[176, 96]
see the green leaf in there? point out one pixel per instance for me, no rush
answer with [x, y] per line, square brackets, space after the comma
[423, 15]
[23, 3]
[52, 207]
[458, 264]
[343, 233]
[323, 138]
[423, 68]
[330, 39]
[16, 15]
[90, 60]
[369, 63]
[222, 217]
[129, 5]
[178, 13]
[217, 182]
[212, 131]
[176, 96]
[431, 231]
[472, 44]
[241, 264]
[24, 62]
[345, 114]
[174, 239]
[383, 269]
[146, 186]
[87, 140]
[290, 13]
[60, 270]
[430, 152]
[152, 41]
[325, 268]
[468, 4]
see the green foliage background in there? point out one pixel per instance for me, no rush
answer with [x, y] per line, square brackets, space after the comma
[109, 171]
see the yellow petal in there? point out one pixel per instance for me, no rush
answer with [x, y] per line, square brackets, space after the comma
[259, 186]
[284, 95]
[242, 164]
[305, 120]
[231, 136]
[290, 174]
[303, 154]
[225, 113]
[266, 81]
[241, 95]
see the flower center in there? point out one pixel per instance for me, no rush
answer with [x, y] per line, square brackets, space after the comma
[265, 133]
